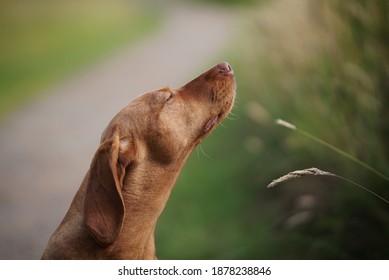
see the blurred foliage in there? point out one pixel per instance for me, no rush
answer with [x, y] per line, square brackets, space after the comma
[43, 40]
[323, 66]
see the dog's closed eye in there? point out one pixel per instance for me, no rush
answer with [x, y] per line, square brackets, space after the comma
[164, 95]
[170, 97]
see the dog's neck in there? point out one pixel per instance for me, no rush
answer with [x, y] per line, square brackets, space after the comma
[145, 198]
[136, 240]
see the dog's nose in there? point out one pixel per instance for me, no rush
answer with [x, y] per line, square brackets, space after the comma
[224, 67]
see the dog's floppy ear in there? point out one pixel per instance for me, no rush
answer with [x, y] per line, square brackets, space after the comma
[103, 206]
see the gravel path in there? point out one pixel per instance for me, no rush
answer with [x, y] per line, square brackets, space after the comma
[46, 147]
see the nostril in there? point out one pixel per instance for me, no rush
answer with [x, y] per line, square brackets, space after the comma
[224, 67]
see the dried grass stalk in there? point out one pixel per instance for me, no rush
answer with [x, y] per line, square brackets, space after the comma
[300, 173]
[317, 172]
[332, 147]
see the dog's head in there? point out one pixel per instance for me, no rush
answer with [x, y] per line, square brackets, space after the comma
[150, 140]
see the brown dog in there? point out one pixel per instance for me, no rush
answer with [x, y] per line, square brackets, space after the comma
[142, 151]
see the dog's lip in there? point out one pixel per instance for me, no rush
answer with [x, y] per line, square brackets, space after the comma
[212, 122]
[226, 74]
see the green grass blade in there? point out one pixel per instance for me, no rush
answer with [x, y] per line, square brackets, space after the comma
[332, 147]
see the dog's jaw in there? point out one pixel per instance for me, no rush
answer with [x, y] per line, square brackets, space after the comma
[218, 98]
[145, 164]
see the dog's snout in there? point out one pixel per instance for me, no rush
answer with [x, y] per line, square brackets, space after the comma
[224, 67]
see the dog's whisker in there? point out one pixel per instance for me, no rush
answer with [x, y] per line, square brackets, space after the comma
[233, 118]
[204, 153]
[232, 111]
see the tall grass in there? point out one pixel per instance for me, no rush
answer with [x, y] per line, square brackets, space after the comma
[333, 148]
[317, 172]
[323, 66]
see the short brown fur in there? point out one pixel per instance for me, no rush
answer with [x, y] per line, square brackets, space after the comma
[143, 149]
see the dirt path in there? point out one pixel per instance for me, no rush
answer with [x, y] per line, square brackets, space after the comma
[46, 147]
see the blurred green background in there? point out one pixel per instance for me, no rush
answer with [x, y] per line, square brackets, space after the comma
[321, 65]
